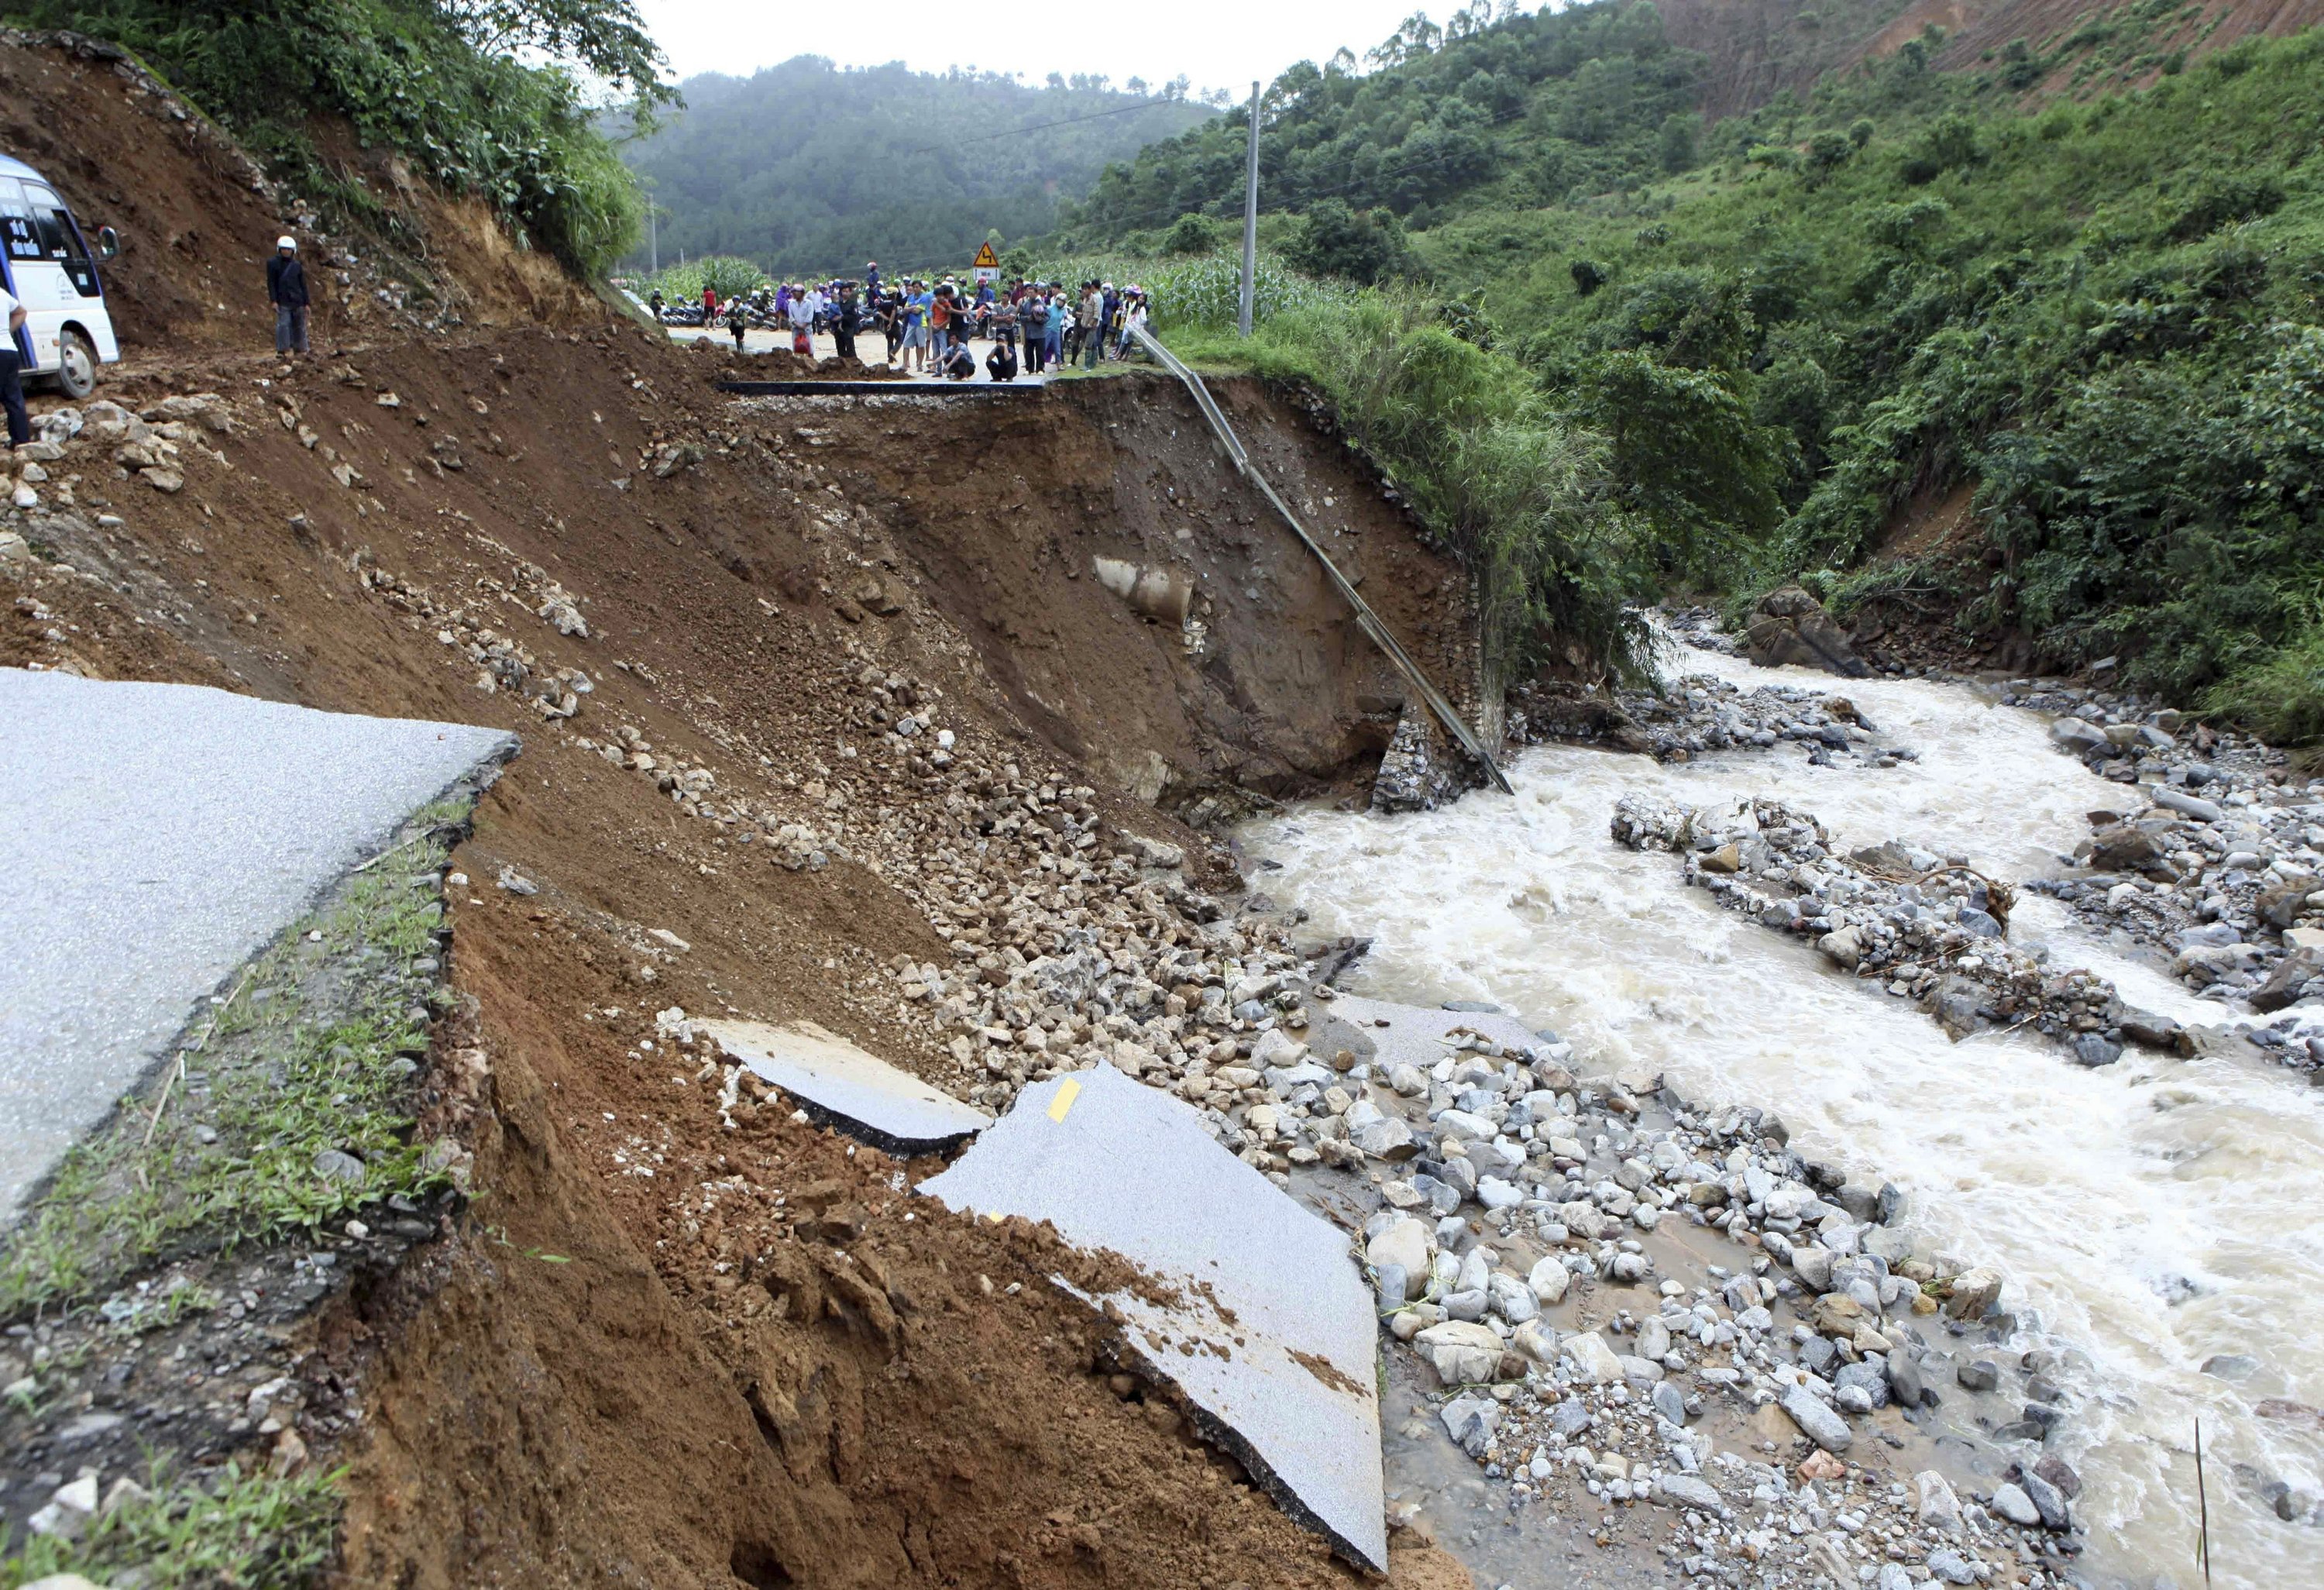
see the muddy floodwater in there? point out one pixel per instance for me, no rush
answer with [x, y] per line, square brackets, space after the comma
[2152, 1216]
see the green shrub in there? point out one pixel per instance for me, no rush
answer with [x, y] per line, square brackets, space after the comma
[727, 275]
[1191, 234]
[1364, 247]
[1521, 492]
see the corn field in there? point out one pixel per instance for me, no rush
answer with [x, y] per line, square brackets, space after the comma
[1189, 293]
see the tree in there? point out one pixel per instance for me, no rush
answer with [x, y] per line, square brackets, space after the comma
[605, 38]
[1674, 147]
[1191, 234]
[1361, 247]
[1690, 457]
[1827, 152]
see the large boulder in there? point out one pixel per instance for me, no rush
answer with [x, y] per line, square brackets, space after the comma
[1790, 628]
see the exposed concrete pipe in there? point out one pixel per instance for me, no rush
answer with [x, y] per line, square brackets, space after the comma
[1161, 594]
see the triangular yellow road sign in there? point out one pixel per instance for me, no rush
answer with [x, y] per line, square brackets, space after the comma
[985, 258]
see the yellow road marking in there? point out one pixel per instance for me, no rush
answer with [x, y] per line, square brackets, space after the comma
[1064, 1102]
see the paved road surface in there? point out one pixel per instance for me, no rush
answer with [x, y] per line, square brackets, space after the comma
[153, 839]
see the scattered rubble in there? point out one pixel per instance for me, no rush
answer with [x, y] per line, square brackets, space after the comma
[1539, 1243]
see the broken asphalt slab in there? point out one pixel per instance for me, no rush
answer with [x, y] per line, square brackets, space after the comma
[1268, 1332]
[158, 837]
[843, 1086]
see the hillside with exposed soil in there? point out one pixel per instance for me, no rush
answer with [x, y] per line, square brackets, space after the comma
[826, 717]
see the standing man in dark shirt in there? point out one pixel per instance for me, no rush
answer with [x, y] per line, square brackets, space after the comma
[846, 320]
[286, 289]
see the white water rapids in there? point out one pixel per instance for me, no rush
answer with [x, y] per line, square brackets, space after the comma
[2149, 1214]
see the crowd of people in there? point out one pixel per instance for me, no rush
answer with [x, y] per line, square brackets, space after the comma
[929, 324]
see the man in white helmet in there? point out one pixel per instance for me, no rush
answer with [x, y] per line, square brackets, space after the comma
[286, 287]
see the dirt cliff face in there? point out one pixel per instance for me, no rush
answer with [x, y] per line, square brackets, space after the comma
[1002, 513]
[672, 1343]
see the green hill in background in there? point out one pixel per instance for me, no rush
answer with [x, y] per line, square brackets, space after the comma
[2025, 341]
[804, 168]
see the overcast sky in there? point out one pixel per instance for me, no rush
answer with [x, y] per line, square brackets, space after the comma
[1217, 43]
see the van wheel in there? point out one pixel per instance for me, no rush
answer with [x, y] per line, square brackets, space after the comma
[75, 365]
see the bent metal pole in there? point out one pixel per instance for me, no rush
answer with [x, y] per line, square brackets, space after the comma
[1365, 617]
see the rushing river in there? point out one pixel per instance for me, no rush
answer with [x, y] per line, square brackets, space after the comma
[2150, 1214]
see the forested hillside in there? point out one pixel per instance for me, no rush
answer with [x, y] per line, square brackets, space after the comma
[804, 167]
[2032, 348]
[497, 101]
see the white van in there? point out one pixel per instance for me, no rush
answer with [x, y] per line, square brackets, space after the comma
[48, 265]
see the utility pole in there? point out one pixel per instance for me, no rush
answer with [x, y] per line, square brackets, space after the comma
[653, 231]
[1251, 220]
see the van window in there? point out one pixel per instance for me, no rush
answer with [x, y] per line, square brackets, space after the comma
[18, 235]
[60, 239]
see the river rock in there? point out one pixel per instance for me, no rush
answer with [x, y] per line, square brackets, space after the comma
[1408, 1243]
[1951, 1567]
[1388, 1138]
[2280, 905]
[1974, 1292]
[1789, 628]
[1537, 1341]
[2094, 1049]
[1497, 1194]
[1512, 1299]
[2058, 1471]
[1934, 1505]
[1463, 1354]
[1549, 1278]
[1867, 1377]
[2057, 1512]
[1819, 1423]
[1471, 1420]
[1686, 1491]
[2186, 804]
[2012, 1503]
[2077, 737]
[1813, 1266]
[1906, 1383]
[1593, 1357]
[1843, 946]
[2124, 847]
[2289, 983]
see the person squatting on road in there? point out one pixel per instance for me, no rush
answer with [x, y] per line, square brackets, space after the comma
[286, 290]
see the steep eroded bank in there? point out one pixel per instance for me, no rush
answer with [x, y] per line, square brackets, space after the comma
[749, 785]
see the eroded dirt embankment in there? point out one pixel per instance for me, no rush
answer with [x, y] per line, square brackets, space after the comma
[659, 1349]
